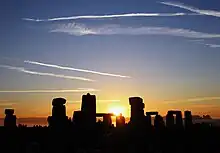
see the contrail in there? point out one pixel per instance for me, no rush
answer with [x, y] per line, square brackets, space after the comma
[75, 69]
[21, 69]
[48, 91]
[109, 16]
[193, 9]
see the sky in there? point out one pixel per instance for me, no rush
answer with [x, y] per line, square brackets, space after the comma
[166, 52]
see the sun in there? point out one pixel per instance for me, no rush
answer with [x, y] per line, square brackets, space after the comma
[116, 110]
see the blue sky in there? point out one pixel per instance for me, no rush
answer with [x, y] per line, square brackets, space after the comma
[171, 60]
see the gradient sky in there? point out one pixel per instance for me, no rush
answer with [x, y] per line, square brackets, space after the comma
[173, 61]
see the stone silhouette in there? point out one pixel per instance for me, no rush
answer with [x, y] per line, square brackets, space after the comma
[58, 118]
[137, 110]
[10, 118]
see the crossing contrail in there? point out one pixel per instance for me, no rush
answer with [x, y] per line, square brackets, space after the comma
[75, 69]
[193, 9]
[109, 16]
[21, 69]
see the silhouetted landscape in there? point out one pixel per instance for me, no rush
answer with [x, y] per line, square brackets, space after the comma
[110, 76]
[82, 132]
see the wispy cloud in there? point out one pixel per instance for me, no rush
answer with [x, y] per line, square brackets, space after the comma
[196, 40]
[81, 29]
[101, 101]
[205, 106]
[193, 99]
[202, 42]
[21, 69]
[193, 9]
[213, 45]
[110, 16]
[108, 100]
[50, 91]
[75, 69]
[7, 104]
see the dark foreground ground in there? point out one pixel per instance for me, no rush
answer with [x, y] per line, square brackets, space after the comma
[197, 139]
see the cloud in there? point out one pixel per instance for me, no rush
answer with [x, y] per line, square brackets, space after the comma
[202, 42]
[193, 99]
[203, 106]
[50, 91]
[81, 29]
[213, 45]
[75, 69]
[102, 101]
[109, 16]
[21, 69]
[8, 104]
[196, 40]
[193, 9]
[108, 100]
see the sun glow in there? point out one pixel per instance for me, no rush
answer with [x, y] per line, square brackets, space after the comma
[117, 110]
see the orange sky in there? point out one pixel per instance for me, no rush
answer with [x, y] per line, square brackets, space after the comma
[42, 108]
